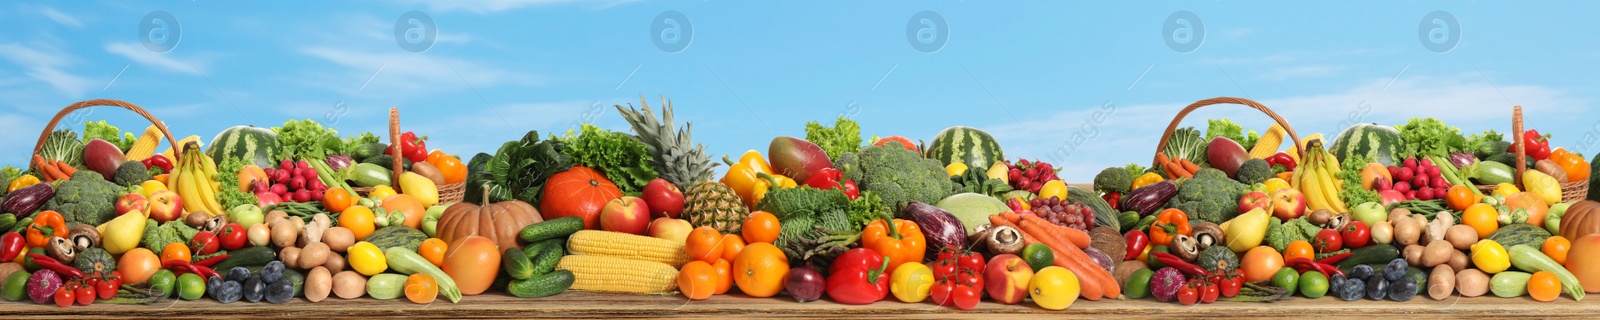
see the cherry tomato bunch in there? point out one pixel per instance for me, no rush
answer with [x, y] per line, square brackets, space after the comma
[960, 278]
[84, 291]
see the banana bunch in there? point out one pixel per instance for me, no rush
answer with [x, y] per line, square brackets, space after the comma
[191, 178]
[1318, 178]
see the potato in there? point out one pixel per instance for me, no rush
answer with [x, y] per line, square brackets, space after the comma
[284, 233]
[339, 238]
[427, 170]
[1461, 236]
[6, 269]
[274, 216]
[290, 257]
[1436, 253]
[318, 284]
[1472, 283]
[1398, 213]
[314, 255]
[1126, 269]
[1458, 260]
[335, 264]
[1406, 231]
[1442, 282]
[1413, 255]
[349, 285]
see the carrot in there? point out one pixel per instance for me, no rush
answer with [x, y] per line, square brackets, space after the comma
[999, 220]
[51, 172]
[1094, 282]
[1173, 169]
[37, 161]
[67, 169]
[1074, 236]
[1189, 166]
[1011, 217]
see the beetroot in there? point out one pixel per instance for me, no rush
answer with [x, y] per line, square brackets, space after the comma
[1165, 283]
[42, 286]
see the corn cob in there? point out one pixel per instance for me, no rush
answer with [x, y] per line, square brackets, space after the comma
[186, 140]
[613, 274]
[1296, 155]
[628, 246]
[1269, 142]
[145, 146]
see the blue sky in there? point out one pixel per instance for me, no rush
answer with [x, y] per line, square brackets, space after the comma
[1031, 73]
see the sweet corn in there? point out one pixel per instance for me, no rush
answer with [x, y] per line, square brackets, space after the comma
[145, 146]
[1296, 155]
[1269, 142]
[613, 274]
[186, 140]
[628, 246]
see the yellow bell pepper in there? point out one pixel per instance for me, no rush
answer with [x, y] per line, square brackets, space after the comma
[1146, 179]
[746, 177]
[22, 182]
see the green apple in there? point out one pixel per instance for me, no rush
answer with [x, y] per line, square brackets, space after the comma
[246, 215]
[1369, 213]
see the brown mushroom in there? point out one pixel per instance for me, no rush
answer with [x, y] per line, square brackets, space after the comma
[1320, 217]
[215, 224]
[1185, 247]
[1338, 221]
[61, 249]
[83, 237]
[1206, 234]
[196, 219]
[1004, 239]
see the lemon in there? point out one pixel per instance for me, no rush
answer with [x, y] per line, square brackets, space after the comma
[956, 169]
[1053, 288]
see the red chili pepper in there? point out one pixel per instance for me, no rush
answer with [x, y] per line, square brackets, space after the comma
[1325, 269]
[184, 266]
[1335, 259]
[51, 263]
[208, 262]
[1188, 269]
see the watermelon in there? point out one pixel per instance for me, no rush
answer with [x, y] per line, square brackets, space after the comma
[1379, 143]
[967, 145]
[259, 146]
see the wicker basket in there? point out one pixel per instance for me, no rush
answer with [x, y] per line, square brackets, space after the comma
[448, 193]
[1171, 127]
[106, 103]
[1570, 191]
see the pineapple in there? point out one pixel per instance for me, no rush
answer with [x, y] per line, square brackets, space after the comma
[714, 204]
[677, 159]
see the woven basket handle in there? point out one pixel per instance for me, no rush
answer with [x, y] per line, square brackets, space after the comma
[1516, 138]
[394, 144]
[1294, 138]
[38, 147]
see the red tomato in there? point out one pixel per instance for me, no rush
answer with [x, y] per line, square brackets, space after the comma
[64, 297]
[204, 243]
[1209, 293]
[1356, 234]
[966, 297]
[85, 294]
[1328, 240]
[1188, 295]
[233, 237]
[107, 289]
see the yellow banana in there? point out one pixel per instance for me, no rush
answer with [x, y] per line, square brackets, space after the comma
[1330, 192]
[206, 188]
[190, 194]
[1315, 199]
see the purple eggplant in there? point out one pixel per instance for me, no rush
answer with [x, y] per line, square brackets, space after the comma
[1146, 200]
[939, 227]
[25, 201]
[805, 284]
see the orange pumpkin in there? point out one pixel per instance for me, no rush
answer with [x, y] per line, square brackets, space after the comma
[578, 192]
[1581, 219]
[499, 222]
[472, 262]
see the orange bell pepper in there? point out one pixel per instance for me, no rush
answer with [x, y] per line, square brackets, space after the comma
[1169, 224]
[46, 224]
[901, 244]
[1577, 169]
[450, 166]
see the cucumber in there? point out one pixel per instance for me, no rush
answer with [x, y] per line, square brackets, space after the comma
[551, 229]
[367, 175]
[367, 150]
[516, 264]
[545, 285]
[386, 286]
[247, 257]
[1370, 255]
[7, 221]
[387, 161]
[21, 225]
[1420, 277]
[546, 260]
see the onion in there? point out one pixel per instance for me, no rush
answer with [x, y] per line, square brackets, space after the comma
[804, 284]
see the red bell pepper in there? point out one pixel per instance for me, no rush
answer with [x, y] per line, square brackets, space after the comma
[858, 276]
[831, 178]
[411, 147]
[158, 161]
[1137, 241]
[11, 245]
[1537, 146]
[1282, 159]
[850, 190]
[1114, 199]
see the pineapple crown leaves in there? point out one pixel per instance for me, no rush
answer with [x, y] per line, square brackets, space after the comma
[675, 159]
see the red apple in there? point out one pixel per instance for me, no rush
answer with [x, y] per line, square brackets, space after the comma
[676, 230]
[1255, 200]
[165, 205]
[1006, 278]
[1288, 203]
[132, 202]
[663, 198]
[625, 214]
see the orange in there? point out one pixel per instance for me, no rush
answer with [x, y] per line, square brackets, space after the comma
[410, 206]
[359, 220]
[433, 249]
[1556, 247]
[697, 280]
[1460, 197]
[704, 244]
[760, 270]
[420, 288]
[1483, 218]
[724, 275]
[336, 200]
[732, 244]
[1299, 249]
[1544, 286]
[762, 226]
[174, 251]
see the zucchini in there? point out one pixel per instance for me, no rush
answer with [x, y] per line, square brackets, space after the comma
[1529, 259]
[545, 285]
[408, 262]
[1369, 255]
[387, 162]
[546, 260]
[1510, 284]
[1489, 172]
[247, 257]
[386, 286]
[550, 229]
[516, 264]
[367, 175]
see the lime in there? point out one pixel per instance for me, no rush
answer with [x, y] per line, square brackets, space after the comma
[1313, 284]
[191, 287]
[15, 286]
[1038, 256]
[163, 280]
[1286, 278]
[1138, 284]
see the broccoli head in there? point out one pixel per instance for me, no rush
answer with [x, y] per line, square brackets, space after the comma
[131, 173]
[897, 175]
[86, 198]
[1113, 179]
[1210, 195]
[1255, 171]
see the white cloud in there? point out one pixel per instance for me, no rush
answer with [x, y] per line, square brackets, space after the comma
[405, 72]
[495, 125]
[47, 63]
[489, 6]
[60, 17]
[165, 61]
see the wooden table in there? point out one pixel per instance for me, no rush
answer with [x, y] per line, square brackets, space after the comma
[574, 305]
